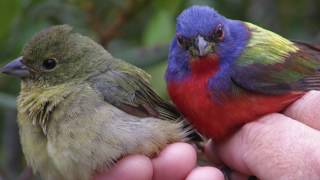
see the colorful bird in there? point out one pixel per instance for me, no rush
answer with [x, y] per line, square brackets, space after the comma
[223, 73]
[80, 109]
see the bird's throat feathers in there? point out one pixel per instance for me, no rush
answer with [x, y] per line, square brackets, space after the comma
[37, 105]
[206, 64]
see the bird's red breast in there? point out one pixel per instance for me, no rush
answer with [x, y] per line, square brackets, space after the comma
[218, 120]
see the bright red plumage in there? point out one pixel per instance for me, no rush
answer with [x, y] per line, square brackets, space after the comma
[215, 119]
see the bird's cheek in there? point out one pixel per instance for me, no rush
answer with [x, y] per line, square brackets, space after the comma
[212, 47]
[193, 51]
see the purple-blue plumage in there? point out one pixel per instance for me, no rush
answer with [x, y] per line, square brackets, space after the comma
[203, 20]
[198, 20]
[178, 65]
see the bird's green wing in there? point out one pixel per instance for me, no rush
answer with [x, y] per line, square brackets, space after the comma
[127, 87]
[272, 64]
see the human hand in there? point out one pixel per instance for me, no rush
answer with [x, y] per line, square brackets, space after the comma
[175, 162]
[276, 146]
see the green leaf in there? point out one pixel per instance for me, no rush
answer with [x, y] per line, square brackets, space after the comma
[141, 57]
[169, 5]
[8, 11]
[160, 29]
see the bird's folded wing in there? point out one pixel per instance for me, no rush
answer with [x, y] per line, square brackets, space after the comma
[128, 88]
[276, 70]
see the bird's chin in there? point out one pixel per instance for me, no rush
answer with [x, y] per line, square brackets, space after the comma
[212, 56]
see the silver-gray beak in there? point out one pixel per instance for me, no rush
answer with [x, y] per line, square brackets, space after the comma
[16, 68]
[202, 45]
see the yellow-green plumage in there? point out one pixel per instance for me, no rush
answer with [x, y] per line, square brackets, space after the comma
[265, 47]
[272, 64]
[89, 111]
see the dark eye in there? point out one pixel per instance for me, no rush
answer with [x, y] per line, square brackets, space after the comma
[49, 64]
[219, 33]
[184, 42]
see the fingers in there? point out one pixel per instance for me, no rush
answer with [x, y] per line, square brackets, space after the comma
[205, 173]
[178, 161]
[276, 144]
[210, 150]
[306, 110]
[135, 167]
[175, 162]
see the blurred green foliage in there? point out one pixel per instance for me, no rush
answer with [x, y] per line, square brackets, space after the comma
[138, 31]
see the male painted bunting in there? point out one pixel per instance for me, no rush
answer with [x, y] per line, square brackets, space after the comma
[223, 73]
[80, 109]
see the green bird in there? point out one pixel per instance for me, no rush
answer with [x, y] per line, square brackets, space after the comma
[80, 109]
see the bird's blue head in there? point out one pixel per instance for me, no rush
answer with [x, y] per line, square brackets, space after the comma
[202, 31]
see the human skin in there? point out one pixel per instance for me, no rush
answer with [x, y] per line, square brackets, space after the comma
[175, 162]
[276, 146]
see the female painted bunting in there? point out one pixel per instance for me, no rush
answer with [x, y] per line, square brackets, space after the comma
[223, 73]
[80, 109]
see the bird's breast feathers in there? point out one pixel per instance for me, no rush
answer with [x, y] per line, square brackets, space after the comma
[219, 119]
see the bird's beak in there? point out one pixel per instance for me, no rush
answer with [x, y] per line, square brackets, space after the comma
[203, 47]
[16, 68]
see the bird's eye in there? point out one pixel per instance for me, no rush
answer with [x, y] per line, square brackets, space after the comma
[49, 64]
[219, 33]
[184, 42]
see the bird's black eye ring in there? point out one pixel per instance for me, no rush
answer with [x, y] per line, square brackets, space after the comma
[49, 64]
[183, 41]
[180, 39]
[219, 33]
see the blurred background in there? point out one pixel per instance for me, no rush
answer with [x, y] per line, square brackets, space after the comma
[138, 31]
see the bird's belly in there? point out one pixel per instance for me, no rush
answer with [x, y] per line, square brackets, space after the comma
[218, 120]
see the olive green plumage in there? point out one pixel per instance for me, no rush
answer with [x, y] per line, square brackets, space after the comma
[89, 110]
